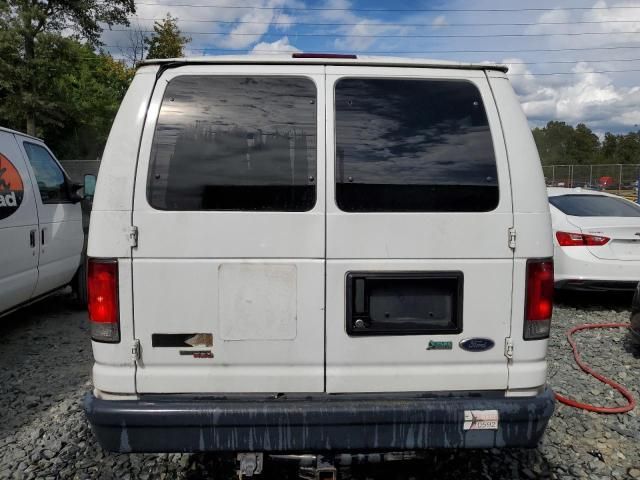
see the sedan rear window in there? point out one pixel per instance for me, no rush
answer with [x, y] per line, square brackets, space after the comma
[405, 145]
[594, 206]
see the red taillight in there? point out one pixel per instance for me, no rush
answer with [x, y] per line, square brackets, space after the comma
[539, 299]
[102, 287]
[567, 239]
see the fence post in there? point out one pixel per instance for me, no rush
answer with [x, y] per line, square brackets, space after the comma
[620, 179]
[553, 175]
[571, 176]
[590, 176]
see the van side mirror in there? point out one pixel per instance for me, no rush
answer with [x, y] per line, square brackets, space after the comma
[74, 194]
[89, 185]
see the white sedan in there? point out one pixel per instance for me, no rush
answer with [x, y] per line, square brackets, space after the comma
[596, 239]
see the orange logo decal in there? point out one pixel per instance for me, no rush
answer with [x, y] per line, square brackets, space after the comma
[11, 188]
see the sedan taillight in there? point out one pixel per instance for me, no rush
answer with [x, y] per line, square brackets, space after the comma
[567, 239]
[102, 288]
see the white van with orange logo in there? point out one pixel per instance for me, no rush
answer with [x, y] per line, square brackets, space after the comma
[316, 253]
[41, 235]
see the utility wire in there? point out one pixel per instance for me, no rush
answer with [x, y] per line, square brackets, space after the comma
[417, 52]
[278, 34]
[465, 10]
[304, 24]
[570, 73]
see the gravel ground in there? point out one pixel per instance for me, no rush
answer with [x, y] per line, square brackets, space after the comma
[45, 361]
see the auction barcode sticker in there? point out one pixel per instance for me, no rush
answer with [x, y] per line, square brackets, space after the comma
[481, 419]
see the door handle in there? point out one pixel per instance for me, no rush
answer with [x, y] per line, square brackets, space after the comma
[42, 236]
[32, 238]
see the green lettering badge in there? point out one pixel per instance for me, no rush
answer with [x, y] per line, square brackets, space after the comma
[443, 345]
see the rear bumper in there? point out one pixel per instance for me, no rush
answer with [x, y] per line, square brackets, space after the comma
[596, 285]
[578, 269]
[388, 422]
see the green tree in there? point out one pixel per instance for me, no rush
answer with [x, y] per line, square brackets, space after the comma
[559, 143]
[166, 40]
[609, 147]
[554, 142]
[27, 23]
[91, 90]
[78, 95]
[628, 148]
[584, 146]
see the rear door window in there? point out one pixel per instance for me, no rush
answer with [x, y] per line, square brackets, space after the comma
[594, 206]
[235, 143]
[405, 145]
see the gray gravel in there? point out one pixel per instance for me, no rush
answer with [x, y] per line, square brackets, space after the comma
[45, 361]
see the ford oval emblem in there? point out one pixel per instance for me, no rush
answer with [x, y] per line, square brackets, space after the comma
[477, 344]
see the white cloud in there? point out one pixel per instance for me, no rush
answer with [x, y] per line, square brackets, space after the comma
[279, 46]
[242, 27]
[587, 97]
[439, 21]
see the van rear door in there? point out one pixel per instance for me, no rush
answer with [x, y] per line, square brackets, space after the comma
[419, 268]
[228, 273]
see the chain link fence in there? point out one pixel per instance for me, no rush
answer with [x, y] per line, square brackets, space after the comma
[614, 178]
[77, 169]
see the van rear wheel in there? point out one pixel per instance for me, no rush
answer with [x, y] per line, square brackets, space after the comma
[79, 283]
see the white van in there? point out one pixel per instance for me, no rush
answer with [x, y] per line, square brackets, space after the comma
[319, 253]
[41, 237]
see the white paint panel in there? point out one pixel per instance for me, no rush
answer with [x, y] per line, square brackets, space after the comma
[402, 362]
[18, 260]
[189, 302]
[114, 378]
[19, 271]
[109, 234]
[257, 301]
[114, 188]
[526, 173]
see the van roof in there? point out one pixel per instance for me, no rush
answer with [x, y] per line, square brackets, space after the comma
[318, 59]
[8, 130]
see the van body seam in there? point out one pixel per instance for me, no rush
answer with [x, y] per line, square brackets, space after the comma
[513, 251]
[133, 197]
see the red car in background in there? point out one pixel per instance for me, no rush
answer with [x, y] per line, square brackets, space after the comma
[606, 182]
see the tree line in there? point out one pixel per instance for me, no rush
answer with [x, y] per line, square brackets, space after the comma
[562, 144]
[57, 81]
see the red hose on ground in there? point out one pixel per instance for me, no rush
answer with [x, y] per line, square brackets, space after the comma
[585, 406]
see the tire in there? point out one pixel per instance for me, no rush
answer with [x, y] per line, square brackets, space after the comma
[80, 283]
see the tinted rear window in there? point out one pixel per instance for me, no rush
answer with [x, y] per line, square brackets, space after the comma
[594, 206]
[235, 143]
[413, 145]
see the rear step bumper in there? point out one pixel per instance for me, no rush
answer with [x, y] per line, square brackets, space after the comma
[389, 422]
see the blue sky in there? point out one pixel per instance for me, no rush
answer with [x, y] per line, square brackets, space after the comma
[591, 75]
